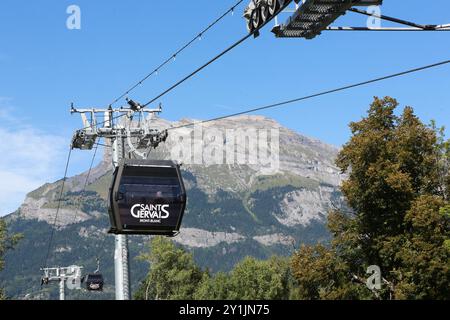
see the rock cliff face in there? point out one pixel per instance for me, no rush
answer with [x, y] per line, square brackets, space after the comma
[234, 209]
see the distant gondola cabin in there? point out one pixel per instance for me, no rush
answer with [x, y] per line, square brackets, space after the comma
[94, 282]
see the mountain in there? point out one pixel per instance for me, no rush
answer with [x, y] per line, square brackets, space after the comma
[233, 209]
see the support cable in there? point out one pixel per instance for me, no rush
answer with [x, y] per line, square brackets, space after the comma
[315, 95]
[234, 45]
[176, 53]
[396, 20]
[231, 47]
[52, 233]
[86, 182]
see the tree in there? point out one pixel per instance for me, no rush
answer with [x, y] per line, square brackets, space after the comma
[250, 279]
[7, 242]
[173, 273]
[397, 184]
[322, 274]
[216, 287]
[398, 193]
[424, 270]
[253, 279]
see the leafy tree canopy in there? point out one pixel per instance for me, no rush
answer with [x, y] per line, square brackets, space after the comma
[398, 190]
[173, 273]
[7, 242]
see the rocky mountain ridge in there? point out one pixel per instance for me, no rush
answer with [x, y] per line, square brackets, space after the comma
[233, 210]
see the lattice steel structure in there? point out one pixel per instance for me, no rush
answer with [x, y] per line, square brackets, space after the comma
[314, 16]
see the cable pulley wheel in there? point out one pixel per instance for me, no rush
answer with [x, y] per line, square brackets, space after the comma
[273, 6]
[264, 13]
[255, 18]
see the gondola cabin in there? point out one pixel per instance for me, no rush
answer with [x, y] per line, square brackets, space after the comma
[147, 197]
[94, 282]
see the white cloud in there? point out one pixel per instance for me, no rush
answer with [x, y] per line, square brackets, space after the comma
[28, 159]
[13, 188]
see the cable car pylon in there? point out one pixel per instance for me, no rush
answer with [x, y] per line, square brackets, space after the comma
[117, 134]
[70, 276]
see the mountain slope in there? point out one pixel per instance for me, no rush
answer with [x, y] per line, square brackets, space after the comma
[233, 210]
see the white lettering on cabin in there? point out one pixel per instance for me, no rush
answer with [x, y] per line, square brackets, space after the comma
[150, 212]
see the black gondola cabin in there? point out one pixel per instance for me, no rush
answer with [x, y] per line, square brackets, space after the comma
[147, 197]
[94, 282]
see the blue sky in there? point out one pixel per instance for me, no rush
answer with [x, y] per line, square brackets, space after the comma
[44, 67]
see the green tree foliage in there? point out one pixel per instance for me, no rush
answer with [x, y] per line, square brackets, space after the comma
[251, 279]
[398, 191]
[215, 287]
[424, 267]
[7, 242]
[397, 188]
[173, 273]
[322, 274]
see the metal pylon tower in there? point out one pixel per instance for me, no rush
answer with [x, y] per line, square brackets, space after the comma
[121, 257]
[70, 276]
[119, 135]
